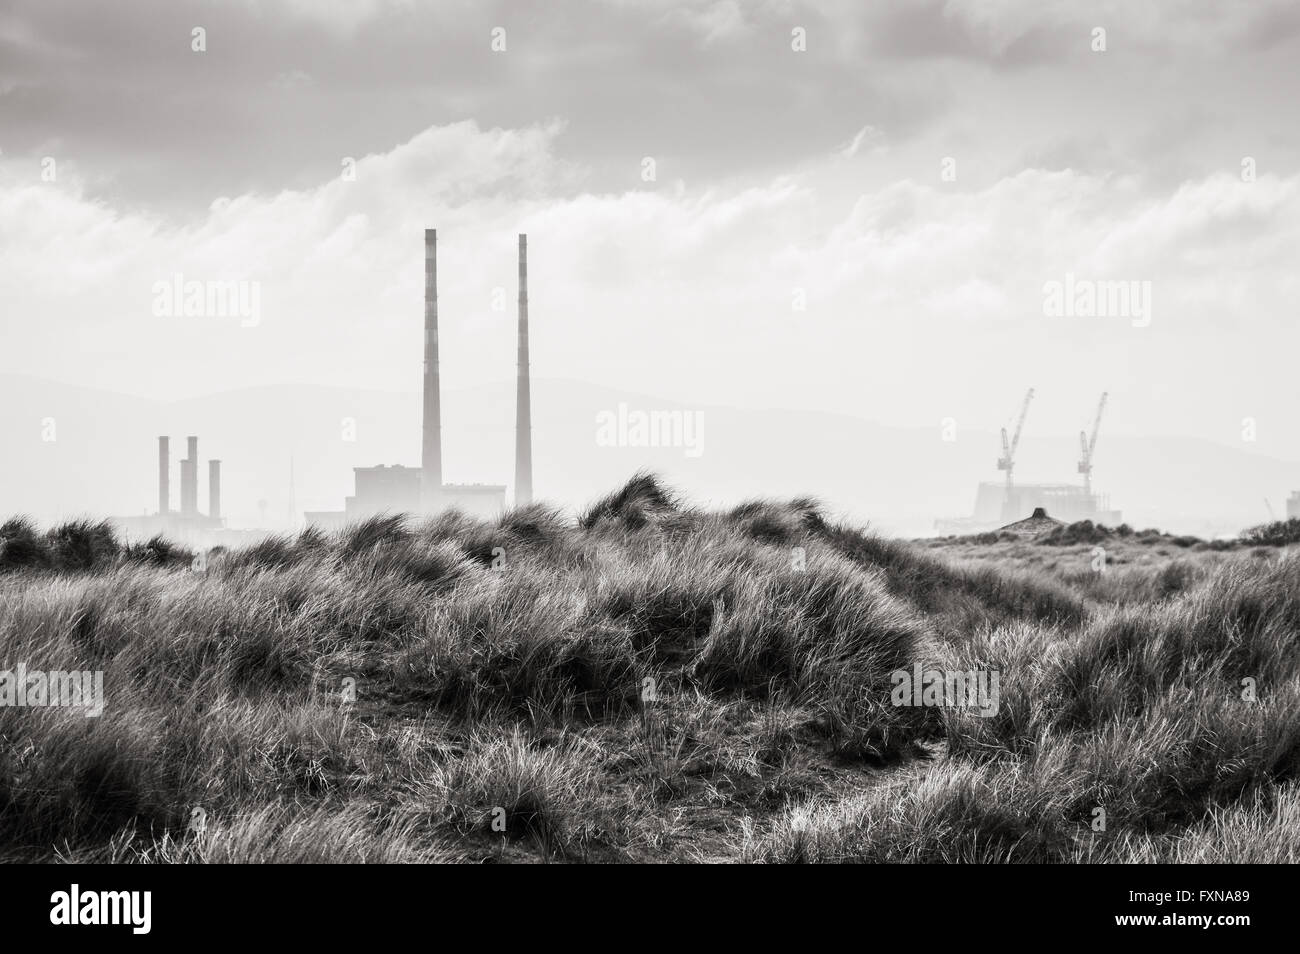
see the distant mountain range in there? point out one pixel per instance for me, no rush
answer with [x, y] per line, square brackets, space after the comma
[102, 458]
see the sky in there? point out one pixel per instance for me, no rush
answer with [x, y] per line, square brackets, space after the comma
[836, 206]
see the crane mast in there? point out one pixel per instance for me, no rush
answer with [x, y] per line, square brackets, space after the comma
[1088, 445]
[1007, 461]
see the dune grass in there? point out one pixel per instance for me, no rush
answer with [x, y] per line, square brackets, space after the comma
[648, 681]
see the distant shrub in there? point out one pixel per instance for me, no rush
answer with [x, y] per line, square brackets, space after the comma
[1276, 534]
[1082, 531]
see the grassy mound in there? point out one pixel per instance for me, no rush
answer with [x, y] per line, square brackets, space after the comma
[649, 681]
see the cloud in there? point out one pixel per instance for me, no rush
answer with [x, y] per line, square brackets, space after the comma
[864, 135]
[712, 87]
[712, 21]
[685, 292]
[339, 16]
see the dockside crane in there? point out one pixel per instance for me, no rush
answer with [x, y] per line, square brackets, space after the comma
[1007, 461]
[1088, 445]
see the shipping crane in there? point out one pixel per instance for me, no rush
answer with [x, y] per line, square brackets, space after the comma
[1007, 461]
[1088, 445]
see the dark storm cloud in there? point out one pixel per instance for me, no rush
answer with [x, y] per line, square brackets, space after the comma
[279, 98]
[934, 29]
[711, 89]
[1272, 26]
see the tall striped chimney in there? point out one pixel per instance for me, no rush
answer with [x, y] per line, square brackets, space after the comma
[164, 476]
[214, 489]
[431, 451]
[523, 402]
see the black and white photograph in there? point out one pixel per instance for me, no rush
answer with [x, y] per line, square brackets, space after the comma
[638, 432]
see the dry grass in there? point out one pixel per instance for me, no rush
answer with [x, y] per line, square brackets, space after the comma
[648, 682]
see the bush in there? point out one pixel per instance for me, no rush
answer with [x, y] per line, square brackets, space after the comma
[1279, 533]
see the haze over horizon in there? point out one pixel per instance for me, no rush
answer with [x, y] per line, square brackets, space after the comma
[103, 461]
[864, 226]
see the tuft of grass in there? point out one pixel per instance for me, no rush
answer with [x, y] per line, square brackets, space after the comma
[508, 785]
[1260, 830]
[21, 547]
[83, 544]
[643, 501]
[967, 596]
[953, 814]
[372, 532]
[158, 551]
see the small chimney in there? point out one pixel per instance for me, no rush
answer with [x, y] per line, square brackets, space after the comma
[214, 489]
[190, 478]
[523, 400]
[164, 476]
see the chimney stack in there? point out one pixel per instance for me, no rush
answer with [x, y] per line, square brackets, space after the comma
[164, 476]
[214, 489]
[523, 403]
[431, 451]
[190, 478]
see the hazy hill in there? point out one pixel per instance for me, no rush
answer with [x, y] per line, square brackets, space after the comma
[103, 460]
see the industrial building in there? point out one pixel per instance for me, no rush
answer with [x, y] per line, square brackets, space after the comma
[998, 504]
[188, 524]
[399, 489]
[1293, 506]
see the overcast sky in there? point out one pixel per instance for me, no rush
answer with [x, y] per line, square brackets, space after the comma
[781, 176]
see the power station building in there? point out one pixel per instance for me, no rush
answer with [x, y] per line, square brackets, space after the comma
[392, 488]
[996, 503]
[186, 524]
[399, 489]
